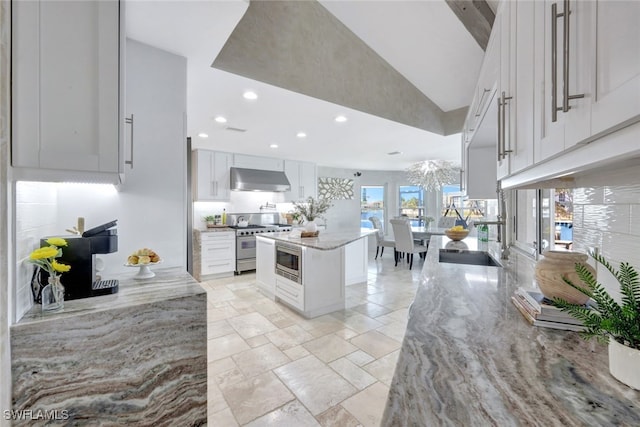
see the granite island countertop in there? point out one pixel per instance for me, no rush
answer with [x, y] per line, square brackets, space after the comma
[469, 358]
[325, 241]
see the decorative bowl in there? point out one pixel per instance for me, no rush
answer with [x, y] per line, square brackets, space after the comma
[456, 235]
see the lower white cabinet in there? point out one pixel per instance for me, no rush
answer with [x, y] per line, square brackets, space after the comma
[290, 292]
[217, 253]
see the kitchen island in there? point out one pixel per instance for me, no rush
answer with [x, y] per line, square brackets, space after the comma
[136, 357]
[317, 268]
[469, 358]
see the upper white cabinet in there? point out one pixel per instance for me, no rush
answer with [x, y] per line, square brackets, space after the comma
[67, 90]
[256, 162]
[569, 74]
[566, 75]
[303, 179]
[516, 25]
[211, 176]
[615, 29]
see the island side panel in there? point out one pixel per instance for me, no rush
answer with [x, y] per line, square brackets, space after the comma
[137, 365]
[356, 262]
[323, 281]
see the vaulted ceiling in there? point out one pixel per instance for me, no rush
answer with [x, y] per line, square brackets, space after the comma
[402, 72]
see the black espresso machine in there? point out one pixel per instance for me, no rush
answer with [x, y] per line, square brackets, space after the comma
[80, 254]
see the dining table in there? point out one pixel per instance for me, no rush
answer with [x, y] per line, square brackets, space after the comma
[424, 233]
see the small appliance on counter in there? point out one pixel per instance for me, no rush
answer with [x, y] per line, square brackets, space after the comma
[80, 253]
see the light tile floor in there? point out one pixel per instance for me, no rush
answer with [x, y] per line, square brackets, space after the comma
[269, 366]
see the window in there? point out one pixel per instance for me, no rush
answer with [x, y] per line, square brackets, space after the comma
[412, 204]
[371, 204]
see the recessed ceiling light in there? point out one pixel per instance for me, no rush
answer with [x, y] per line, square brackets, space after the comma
[341, 119]
[301, 135]
[273, 146]
[250, 95]
[220, 119]
[203, 135]
[394, 153]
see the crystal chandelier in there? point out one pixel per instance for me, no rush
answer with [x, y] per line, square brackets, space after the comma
[432, 174]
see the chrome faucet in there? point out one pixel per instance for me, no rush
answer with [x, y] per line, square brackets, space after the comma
[501, 223]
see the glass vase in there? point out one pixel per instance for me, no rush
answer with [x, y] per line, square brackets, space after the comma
[53, 295]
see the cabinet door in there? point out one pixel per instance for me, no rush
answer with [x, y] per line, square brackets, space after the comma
[66, 106]
[504, 112]
[572, 126]
[308, 181]
[292, 170]
[522, 85]
[211, 170]
[616, 99]
[221, 175]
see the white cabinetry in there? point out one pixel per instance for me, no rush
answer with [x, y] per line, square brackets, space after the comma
[303, 179]
[67, 90]
[256, 162]
[616, 51]
[217, 252]
[211, 175]
[266, 265]
[566, 111]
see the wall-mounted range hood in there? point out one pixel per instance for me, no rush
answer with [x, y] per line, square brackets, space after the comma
[258, 180]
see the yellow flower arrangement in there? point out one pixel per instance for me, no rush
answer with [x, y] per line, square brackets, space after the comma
[45, 257]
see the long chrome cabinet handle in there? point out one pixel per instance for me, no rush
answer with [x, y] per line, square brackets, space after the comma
[504, 124]
[499, 129]
[554, 61]
[129, 121]
[479, 107]
[565, 66]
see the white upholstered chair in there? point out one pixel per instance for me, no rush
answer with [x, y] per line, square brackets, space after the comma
[404, 241]
[381, 242]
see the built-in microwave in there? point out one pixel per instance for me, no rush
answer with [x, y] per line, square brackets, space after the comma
[289, 261]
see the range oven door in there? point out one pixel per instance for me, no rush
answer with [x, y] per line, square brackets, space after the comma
[289, 262]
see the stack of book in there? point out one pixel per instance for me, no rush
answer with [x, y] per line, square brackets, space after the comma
[540, 311]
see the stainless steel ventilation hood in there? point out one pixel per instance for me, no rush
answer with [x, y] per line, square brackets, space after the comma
[259, 180]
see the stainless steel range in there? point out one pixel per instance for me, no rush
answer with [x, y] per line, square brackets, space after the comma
[246, 243]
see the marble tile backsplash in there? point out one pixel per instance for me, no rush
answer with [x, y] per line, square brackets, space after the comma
[36, 217]
[608, 218]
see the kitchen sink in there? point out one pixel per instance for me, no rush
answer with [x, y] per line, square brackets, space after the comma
[468, 257]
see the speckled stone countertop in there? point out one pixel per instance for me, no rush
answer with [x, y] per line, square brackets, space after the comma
[325, 241]
[470, 359]
[212, 230]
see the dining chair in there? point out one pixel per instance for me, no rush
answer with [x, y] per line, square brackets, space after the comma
[404, 241]
[381, 242]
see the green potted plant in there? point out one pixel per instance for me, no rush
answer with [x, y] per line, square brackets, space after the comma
[610, 321]
[210, 220]
[312, 209]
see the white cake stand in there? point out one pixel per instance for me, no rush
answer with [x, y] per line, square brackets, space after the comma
[144, 272]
